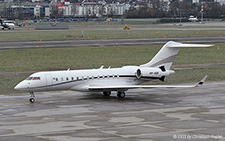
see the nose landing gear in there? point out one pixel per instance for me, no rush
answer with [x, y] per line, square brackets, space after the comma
[32, 97]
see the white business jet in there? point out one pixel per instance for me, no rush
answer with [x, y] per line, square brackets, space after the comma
[109, 79]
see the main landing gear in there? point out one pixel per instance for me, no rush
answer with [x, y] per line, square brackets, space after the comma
[32, 97]
[119, 94]
[107, 93]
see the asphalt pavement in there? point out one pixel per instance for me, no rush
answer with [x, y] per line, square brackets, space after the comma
[144, 115]
[108, 42]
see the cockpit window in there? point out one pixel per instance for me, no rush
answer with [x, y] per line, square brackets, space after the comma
[29, 78]
[36, 78]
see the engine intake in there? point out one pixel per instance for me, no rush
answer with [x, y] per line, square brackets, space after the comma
[138, 74]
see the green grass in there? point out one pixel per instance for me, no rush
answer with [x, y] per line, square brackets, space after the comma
[39, 59]
[76, 58]
[8, 83]
[104, 34]
[201, 55]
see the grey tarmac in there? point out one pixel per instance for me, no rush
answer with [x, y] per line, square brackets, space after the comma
[144, 115]
[108, 42]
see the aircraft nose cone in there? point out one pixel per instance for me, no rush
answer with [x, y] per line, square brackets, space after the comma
[17, 87]
[20, 86]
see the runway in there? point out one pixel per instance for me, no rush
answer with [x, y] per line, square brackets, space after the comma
[108, 42]
[144, 115]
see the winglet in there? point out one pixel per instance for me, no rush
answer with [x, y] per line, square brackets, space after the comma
[201, 82]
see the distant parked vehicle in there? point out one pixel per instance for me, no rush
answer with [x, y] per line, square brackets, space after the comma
[193, 19]
[7, 24]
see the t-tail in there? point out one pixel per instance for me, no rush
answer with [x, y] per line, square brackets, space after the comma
[165, 57]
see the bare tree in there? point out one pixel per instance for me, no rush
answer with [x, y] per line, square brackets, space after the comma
[18, 13]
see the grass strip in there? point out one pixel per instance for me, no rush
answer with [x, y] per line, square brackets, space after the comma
[40, 59]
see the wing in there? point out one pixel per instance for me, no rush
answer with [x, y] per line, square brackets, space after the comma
[126, 87]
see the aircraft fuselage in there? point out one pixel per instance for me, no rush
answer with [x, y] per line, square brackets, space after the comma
[80, 80]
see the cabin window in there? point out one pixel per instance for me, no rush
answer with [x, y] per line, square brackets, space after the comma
[82, 78]
[93, 77]
[103, 76]
[67, 78]
[113, 76]
[77, 78]
[72, 78]
[156, 72]
[108, 76]
[87, 77]
[151, 73]
[98, 77]
[118, 75]
[29, 78]
[36, 78]
[56, 79]
[61, 78]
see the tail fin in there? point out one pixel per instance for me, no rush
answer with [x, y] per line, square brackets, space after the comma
[168, 53]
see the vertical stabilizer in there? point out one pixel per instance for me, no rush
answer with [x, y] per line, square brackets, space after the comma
[168, 53]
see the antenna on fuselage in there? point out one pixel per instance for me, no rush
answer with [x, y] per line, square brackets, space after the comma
[101, 67]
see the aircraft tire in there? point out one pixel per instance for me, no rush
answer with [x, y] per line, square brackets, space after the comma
[32, 100]
[107, 93]
[121, 94]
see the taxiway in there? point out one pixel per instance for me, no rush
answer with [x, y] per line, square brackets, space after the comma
[146, 115]
[109, 42]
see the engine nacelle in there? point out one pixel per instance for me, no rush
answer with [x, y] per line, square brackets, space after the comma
[154, 73]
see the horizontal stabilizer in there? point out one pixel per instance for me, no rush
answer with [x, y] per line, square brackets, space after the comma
[180, 45]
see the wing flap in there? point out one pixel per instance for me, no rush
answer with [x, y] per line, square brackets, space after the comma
[138, 86]
[117, 87]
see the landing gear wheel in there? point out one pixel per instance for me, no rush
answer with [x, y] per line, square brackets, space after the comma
[32, 97]
[121, 94]
[106, 93]
[32, 100]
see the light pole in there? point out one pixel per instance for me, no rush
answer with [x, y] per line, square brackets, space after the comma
[201, 11]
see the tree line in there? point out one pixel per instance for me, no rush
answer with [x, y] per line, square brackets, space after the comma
[158, 9]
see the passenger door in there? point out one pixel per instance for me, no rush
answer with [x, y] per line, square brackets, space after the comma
[48, 81]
